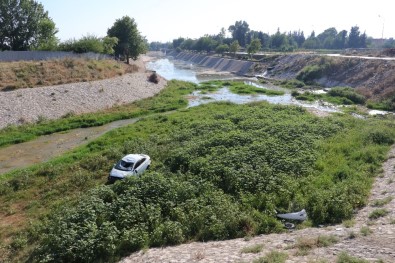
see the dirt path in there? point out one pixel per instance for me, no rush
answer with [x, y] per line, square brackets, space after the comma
[378, 245]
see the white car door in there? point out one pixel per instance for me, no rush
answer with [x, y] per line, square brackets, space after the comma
[139, 167]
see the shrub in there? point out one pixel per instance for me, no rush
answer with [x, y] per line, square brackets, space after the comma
[252, 249]
[365, 231]
[382, 202]
[343, 257]
[377, 213]
[348, 93]
[309, 73]
[273, 257]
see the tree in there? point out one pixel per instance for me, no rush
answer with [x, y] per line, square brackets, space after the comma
[297, 37]
[130, 42]
[25, 25]
[188, 44]
[90, 43]
[327, 38]
[279, 41]
[340, 40]
[353, 37]
[254, 47]
[312, 42]
[239, 31]
[177, 42]
[205, 43]
[221, 49]
[234, 47]
[108, 45]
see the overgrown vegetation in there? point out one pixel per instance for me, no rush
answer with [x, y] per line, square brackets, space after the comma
[252, 249]
[382, 202]
[365, 231]
[169, 99]
[343, 257]
[377, 213]
[220, 171]
[305, 244]
[273, 257]
[237, 87]
[29, 74]
[336, 95]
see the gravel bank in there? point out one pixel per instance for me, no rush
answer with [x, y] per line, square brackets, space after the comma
[52, 102]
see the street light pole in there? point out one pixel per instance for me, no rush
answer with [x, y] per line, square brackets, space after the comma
[382, 31]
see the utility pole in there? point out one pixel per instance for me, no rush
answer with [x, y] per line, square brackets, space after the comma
[382, 31]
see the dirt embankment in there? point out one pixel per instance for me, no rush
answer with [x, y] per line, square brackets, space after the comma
[374, 78]
[29, 74]
[27, 105]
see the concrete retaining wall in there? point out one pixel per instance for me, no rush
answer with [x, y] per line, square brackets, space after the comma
[239, 67]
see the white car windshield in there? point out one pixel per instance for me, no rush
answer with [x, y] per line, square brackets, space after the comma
[124, 166]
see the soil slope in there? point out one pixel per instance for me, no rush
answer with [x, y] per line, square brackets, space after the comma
[375, 78]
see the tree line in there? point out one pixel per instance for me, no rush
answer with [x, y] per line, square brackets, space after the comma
[25, 25]
[253, 41]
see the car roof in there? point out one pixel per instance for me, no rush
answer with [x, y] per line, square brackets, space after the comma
[132, 158]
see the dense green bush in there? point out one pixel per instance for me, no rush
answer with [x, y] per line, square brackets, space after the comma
[219, 171]
[348, 93]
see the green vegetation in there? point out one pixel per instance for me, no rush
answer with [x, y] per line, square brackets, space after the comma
[382, 202]
[169, 99]
[237, 87]
[343, 257]
[329, 40]
[316, 70]
[219, 171]
[387, 103]
[336, 95]
[305, 244]
[377, 213]
[349, 223]
[89, 43]
[252, 249]
[130, 41]
[273, 257]
[365, 231]
[30, 74]
[26, 25]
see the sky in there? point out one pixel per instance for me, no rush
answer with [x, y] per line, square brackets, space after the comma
[165, 20]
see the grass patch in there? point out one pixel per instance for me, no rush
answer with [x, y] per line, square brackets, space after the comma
[242, 89]
[365, 231]
[273, 257]
[349, 223]
[377, 213]
[28, 74]
[237, 87]
[336, 95]
[168, 99]
[308, 243]
[343, 257]
[382, 202]
[252, 249]
[195, 189]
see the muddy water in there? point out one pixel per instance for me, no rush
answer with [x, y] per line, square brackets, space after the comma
[47, 147]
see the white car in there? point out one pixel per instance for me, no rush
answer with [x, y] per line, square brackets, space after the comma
[131, 164]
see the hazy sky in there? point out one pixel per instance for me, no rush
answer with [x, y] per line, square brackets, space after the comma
[165, 20]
